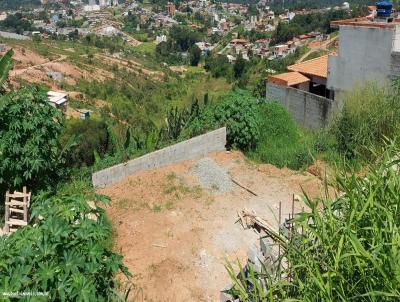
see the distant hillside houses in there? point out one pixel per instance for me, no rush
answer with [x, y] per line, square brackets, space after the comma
[369, 51]
[263, 49]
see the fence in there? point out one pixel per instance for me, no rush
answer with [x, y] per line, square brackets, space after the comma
[190, 149]
[309, 110]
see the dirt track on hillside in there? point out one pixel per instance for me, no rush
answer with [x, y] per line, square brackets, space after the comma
[175, 237]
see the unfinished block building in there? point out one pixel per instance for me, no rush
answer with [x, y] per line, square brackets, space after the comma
[369, 51]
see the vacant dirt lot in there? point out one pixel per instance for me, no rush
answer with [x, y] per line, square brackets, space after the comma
[175, 236]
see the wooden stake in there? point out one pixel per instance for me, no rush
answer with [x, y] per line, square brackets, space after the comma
[7, 213]
[279, 228]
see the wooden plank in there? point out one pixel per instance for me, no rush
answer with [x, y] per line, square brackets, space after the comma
[243, 187]
[16, 195]
[15, 203]
[16, 222]
[16, 210]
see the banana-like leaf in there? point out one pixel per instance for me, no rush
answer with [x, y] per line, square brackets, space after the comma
[5, 66]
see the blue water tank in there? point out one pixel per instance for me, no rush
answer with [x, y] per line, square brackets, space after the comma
[384, 9]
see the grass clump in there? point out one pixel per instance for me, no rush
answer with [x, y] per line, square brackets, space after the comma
[281, 142]
[369, 115]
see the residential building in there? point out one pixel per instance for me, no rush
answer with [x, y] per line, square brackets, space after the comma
[161, 38]
[312, 91]
[171, 9]
[368, 51]
[310, 76]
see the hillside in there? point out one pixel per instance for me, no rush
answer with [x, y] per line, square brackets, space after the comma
[100, 81]
[16, 4]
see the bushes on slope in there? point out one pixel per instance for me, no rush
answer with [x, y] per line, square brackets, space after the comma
[238, 111]
[63, 252]
[92, 136]
[282, 143]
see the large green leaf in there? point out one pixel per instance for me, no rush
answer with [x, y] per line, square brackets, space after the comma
[5, 66]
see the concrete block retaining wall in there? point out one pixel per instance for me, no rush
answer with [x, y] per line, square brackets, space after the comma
[191, 149]
[309, 110]
[395, 65]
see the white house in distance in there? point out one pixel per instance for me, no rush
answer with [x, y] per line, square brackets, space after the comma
[58, 100]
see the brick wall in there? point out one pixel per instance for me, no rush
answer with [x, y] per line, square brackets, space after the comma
[190, 149]
[309, 110]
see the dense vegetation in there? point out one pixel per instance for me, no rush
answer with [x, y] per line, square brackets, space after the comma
[181, 39]
[369, 115]
[281, 141]
[65, 253]
[345, 245]
[342, 248]
[238, 111]
[16, 4]
[16, 23]
[29, 140]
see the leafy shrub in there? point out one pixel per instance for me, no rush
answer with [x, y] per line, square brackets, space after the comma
[342, 249]
[29, 148]
[238, 111]
[62, 252]
[92, 136]
[369, 115]
[281, 141]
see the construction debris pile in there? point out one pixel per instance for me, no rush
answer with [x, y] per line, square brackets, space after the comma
[262, 257]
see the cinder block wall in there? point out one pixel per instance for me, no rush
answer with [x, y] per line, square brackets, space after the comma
[309, 110]
[395, 65]
[191, 149]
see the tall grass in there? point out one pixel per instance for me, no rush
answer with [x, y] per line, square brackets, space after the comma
[370, 114]
[282, 142]
[345, 247]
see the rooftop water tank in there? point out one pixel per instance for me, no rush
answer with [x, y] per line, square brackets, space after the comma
[384, 9]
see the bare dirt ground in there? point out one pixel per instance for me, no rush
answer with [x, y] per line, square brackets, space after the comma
[175, 236]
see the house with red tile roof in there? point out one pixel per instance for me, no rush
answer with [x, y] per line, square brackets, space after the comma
[369, 51]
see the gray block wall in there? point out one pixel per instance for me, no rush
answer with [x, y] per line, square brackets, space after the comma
[308, 110]
[190, 149]
[364, 56]
[395, 65]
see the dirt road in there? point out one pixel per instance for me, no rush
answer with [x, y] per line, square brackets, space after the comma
[17, 72]
[323, 46]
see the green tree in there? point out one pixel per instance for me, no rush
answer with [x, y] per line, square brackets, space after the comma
[194, 55]
[240, 67]
[91, 136]
[238, 111]
[30, 153]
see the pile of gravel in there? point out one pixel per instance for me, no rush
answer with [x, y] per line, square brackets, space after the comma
[212, 176]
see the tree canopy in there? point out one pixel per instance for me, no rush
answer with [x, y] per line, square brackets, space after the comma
[29, 146]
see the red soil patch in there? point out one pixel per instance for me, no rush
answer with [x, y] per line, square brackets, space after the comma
[175, 237]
